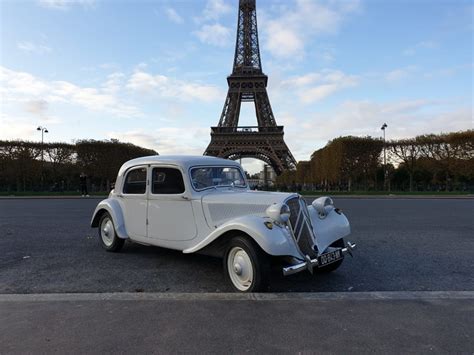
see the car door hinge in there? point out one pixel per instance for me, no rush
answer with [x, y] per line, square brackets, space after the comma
[147, 221]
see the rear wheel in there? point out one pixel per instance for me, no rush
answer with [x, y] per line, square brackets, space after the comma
[107, 235]
[246, 265]
[333, 266]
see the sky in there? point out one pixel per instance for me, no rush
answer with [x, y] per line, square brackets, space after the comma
[153, 73]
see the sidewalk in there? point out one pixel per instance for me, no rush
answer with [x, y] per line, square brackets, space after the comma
[265, 323]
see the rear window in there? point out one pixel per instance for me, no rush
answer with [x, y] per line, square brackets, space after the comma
[135, 182]
[167, 181]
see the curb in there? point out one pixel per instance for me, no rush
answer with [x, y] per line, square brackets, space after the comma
[297, 296]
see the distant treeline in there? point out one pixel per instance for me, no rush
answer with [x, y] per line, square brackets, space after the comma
[443, 162]
[32, 166]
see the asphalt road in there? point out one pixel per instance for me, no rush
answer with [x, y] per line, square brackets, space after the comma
[403, 245]
[409, 288]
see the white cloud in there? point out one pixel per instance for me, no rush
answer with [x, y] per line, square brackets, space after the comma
[21, 127]
[283, 41]
[318, 93]
[114, 83]
[399, 74]
[23, 87]
[316, 86]
[65, 4]
[215, 9]
[145, 82]
[30, 47]
[168, 140]
[406, 118]
[12, 128]
[164, 86]
[37, 107]
[419, 46]
[285, 35]
[216, 35]
[173, 15]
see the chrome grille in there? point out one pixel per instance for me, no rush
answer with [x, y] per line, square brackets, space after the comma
[301, 226]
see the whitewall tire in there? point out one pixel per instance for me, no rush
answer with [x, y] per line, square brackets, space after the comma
[107, 235]
[246, 266]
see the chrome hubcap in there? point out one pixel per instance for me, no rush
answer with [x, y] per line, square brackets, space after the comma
[107, 232]
[240, 268]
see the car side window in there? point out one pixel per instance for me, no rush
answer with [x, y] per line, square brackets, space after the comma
[167, 181]
[135, 182]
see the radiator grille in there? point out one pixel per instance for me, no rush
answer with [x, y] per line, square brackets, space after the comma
[301, 226]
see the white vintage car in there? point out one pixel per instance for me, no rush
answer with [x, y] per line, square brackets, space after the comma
[203, 204]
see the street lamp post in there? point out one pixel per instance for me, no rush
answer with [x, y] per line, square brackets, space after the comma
[43, 131]
[384, 126]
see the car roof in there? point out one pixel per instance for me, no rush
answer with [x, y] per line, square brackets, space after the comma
[185, 161]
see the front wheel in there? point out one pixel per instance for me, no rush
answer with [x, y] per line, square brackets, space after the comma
[107, 235]
[246, 266]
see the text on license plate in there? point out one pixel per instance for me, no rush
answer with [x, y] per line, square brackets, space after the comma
[328, 258]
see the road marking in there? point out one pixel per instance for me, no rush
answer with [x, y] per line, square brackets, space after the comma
[309, 296]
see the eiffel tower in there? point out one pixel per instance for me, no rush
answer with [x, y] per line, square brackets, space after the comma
[248, 83]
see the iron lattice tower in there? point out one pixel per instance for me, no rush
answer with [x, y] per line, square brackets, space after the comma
[248, 83]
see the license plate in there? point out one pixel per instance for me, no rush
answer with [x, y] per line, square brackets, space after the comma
[331, 257]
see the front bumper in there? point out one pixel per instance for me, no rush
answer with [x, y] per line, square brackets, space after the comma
[309, 264]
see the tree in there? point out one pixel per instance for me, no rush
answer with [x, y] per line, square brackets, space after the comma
[408, 151]
[22, 167]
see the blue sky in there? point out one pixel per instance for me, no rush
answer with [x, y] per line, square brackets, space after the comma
[153, 72]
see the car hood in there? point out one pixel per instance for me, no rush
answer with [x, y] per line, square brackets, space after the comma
[220, 206]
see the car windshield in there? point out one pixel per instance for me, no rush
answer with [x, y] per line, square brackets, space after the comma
[215, 176]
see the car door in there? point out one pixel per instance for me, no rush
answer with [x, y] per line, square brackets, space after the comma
[133, 199]
[170, 213]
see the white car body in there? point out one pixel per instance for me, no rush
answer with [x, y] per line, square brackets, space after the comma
[194, 219]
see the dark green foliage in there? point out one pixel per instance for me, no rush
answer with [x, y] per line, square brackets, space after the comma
[424, 163]
[31, 166]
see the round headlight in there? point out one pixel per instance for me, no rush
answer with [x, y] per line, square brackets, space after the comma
[323, 205]
[285, 213]
[279, 212]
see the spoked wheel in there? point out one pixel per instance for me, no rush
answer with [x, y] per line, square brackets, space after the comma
[107, 235]
[246, 266]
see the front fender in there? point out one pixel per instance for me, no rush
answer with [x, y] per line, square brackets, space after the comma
[276, 241]
[113, 208]
[330, 228]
